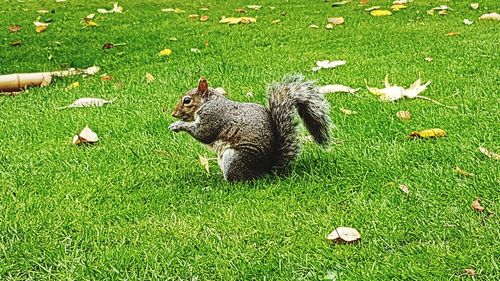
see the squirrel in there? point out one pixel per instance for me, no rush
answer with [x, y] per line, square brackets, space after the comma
[251, 140]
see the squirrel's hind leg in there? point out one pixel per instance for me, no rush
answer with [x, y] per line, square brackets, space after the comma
[236, 167]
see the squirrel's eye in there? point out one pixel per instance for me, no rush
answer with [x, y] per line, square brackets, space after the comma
[186, 100]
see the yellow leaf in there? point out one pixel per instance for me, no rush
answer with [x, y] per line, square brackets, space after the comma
[463, 173]
[41, 28]
[276, 21]
[430, 133]
[380, 13]
[397, 7]
[489, 153]
[73, 85]
[165, 52]
[91, 23]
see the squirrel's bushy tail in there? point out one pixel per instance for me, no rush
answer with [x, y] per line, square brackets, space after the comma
[286, 96]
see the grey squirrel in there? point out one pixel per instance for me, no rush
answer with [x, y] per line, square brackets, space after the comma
[250, 139]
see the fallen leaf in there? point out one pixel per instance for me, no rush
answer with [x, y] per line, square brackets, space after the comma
[468, 22]
[348, 111]
[452, 33]
[336, 88]
[380, 13]
[336, 21]
[313, 26]
[195, 50]
[204, 162]
[172, 39]
[254, 7]
[276, 21]
[15, 43]
[88, 102]
[89, 23]
[474, 6]
[397, 7]
[338, 4]
[204, 18]
[165, 52]
[108, 46]
[106, 77]
[43, 11]
[240, 10]
[470, 271]
[85, 136]
[400, 2]
[344, 235]
[363, 2]
[430, 133]
[40, 26]
[373, 8]
[476, 205]
[489, 153]
[90, 16]
[394, 92]
[329, 26]
[204, 9]
[463, 173]
[116, 9]
[149, 77]
[403, 115]
[428, 59]
[328, 64]
[14, 28]
[404, 188]
[490, 16]
[176, 10]
[242, 20]
[73, 86]
[443, 12]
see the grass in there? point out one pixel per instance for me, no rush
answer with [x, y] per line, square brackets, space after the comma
[139, 206]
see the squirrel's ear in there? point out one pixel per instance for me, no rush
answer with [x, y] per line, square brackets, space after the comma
[202, 85]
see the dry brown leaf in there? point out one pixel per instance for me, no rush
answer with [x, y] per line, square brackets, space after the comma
[363, 2]
[106, 77]
[403, 115]
[14, 28]
[336, 21]
[204, 18]
[463, 173]
[404, 188]
[242, 20]
[149, 77]
[15, 43]
[470, 271]
[85, 136]
[490, 16]
[344, 235]
[240, 10]
[430, 133]
[336, 89]
[476, 205]
[41, 28]
[489, 153]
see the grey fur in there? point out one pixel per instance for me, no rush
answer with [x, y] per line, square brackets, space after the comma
[256, 138]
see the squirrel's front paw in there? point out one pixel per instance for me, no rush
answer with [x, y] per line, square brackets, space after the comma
[176, 126]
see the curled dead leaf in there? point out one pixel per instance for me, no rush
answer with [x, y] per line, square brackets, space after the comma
[476, 205]
[344, 235]
[489, 153]
[430, 133]
[490, 16]
[336, 21]
[242, 20]
[403, 115]
[106, 77]
[404, 188]
[204, 18]
[14, 28]
[149, 77]
[85, 136]
[470, 271]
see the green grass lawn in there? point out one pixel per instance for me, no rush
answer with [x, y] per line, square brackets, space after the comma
[138, 205]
